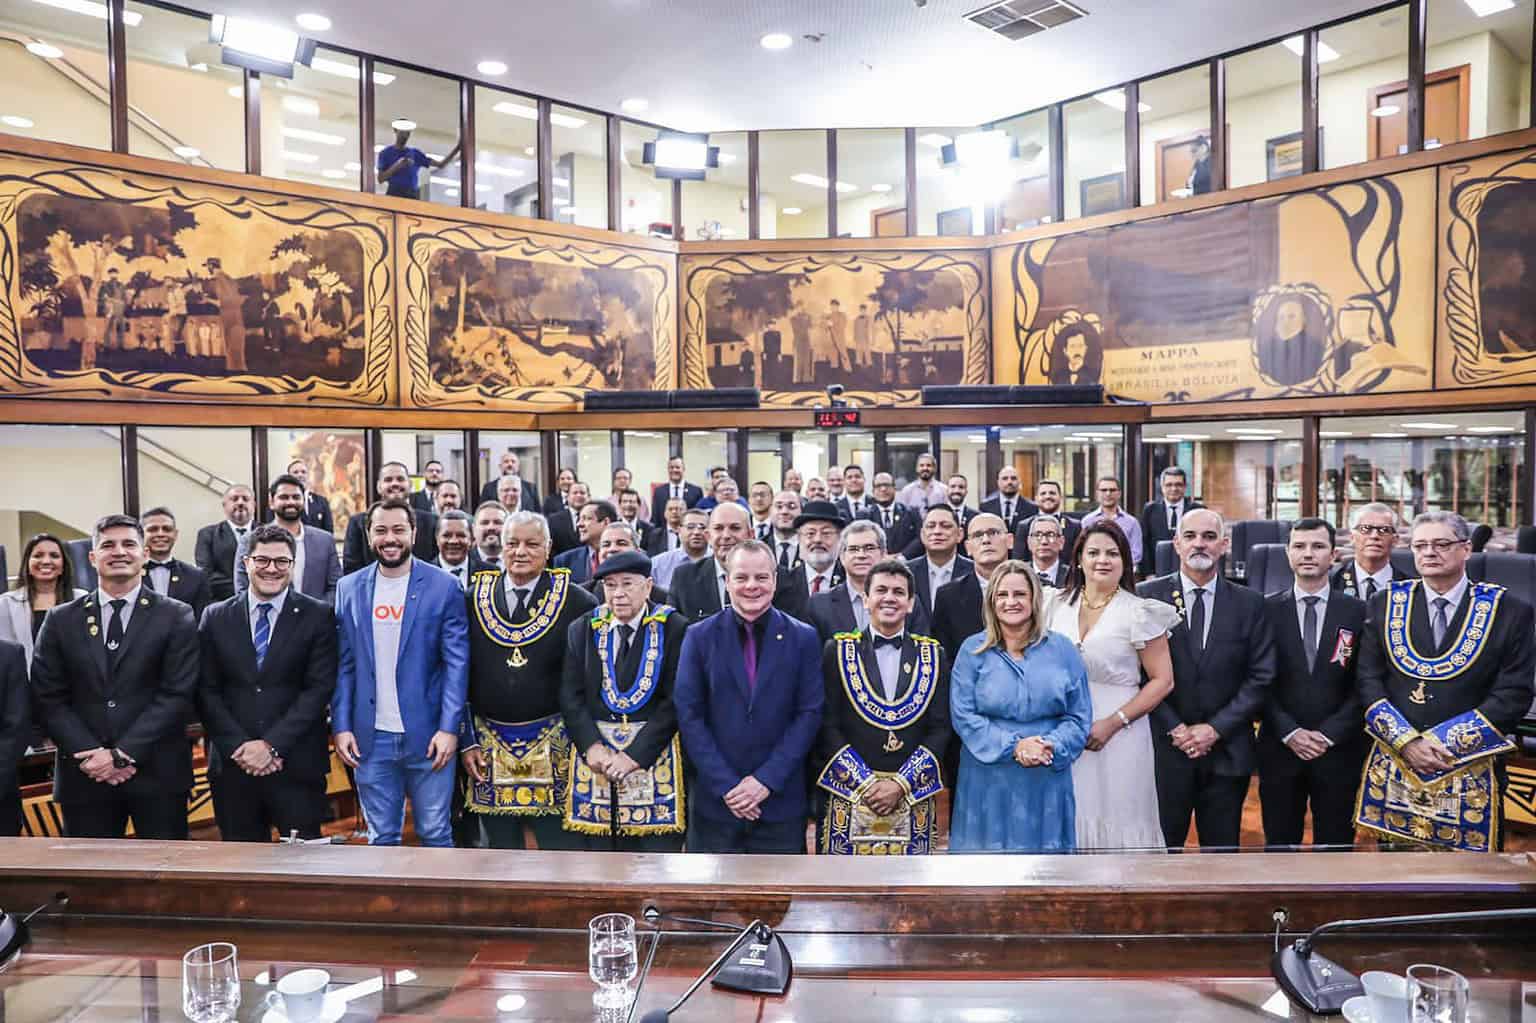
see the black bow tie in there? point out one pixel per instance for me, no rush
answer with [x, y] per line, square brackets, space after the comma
[157, 564]
[881, 641]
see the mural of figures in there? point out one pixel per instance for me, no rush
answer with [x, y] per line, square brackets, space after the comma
[335, 460]
[882, 324]
[131, 286]
[1488, 271]
[500, 318]
[1322, 292]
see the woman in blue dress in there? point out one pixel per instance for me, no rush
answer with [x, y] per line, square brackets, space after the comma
[1019, 700]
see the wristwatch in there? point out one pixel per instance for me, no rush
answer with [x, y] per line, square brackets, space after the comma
[120, 759]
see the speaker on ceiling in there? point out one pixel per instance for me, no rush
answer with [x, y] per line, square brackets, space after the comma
[966, 394]
[1002, 394]
[625, 401]
[719, 397]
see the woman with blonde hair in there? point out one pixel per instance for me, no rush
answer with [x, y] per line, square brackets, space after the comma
[1019, 701]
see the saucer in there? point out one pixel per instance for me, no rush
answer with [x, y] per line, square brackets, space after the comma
[1356, 1009]
[332, 1010]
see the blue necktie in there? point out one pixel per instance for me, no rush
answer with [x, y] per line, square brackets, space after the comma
[263, 632]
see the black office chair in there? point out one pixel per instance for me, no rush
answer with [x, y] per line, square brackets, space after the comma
[1481, 534]
[1268, 568]
[1402, 561]
[1247, 534]
[1165, 559]
[80, 561]
[1525, 540]
[1512, 570]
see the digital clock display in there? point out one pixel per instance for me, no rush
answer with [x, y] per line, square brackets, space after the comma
[832, 418]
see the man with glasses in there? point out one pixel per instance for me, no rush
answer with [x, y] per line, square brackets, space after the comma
[814, 568]
[1048, 500]
[1108, 491]
[1370, 570]
[1160, 518]
[898, 521]
[695, 547]
[1045, 546]
[1445, 673]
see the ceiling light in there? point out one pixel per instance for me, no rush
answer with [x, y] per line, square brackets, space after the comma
[817, 181]
[634, 105]
[1483, 8]
[1334, 433]
[342, 69]
[727, 158]
[94, 10]
[16, 121]
[38, 48]
[1325, 53]
[1116, 98]
[353, 166]
[306, 135]
[491, 67]
[451, 191]
[301, 105]
[529, 151]
[403, 124]
[526, 112]
[682, 153]
[200, 66]
[1386, 110]
[882, 187]
[1389, 436]
[1429, 426]
[791, 211]
[1187, 436]
[777, 41]
[293, 157]
[187, 152]
[1255, 430]
[510, 1003]
[935, 140]
[313, 22]
[1492, 429]
[266, 42]
[332, 172]
[237, 91]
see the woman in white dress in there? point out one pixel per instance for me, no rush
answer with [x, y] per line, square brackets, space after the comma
[1119, 635]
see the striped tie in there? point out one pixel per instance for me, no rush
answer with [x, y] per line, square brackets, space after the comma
[263, 632]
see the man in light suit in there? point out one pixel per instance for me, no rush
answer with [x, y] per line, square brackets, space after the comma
[218, 543]
[317, 507]
[749, 698]
[163, 572]
[316, 568]
[676, 486]
[1160, 519]
[403, 632]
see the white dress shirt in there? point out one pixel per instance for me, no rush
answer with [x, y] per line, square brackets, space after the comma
[888, 661]
[160, 577]
[239, 532]
[1209, 599]
[460, 571]
[1175, 513]
[512, 589]
[860, 612]
[132, 598]
[725, 598]
[938, 575]
[1454, 595]
[1383, 579]
[252, 599]
[811, 575]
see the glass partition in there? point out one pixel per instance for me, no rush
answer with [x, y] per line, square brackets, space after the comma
[647, 202]
[1175, 115]
[702, 451]
[809, 453]
[506, 154]
[792, 184]
[591, 455]
[187, 469]
[1362, 106]
[60, 480]
[875, 160]
[645, 456]
[335, 462]
[963, 451]
[1264, 113]
[765, 459]
[716, 208]
[1477, 69]
[1095, 154]
[580, 186]
[427, 106]
[418, 447]
[183, 103]
[1028, 201]
[1074, 456]
[495, 446]
[949, 202]
[318, 106]
[902, 447]
[53, 61]
[1250, 471]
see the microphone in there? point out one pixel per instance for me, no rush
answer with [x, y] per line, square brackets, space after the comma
[763, 968]
[14, 933]
[1322, 986]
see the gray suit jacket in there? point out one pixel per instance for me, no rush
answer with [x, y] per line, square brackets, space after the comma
[321, 566]
[16, 618]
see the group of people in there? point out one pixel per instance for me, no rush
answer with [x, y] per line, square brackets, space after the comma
[703, 671]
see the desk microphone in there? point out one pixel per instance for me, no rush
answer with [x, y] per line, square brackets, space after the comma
[764, 968]
[14, 933]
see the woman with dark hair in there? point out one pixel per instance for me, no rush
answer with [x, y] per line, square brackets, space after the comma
[44, 584]
[1119, 635]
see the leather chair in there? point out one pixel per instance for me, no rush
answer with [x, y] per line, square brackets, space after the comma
[1481, 534]
[1516, 572]
[80, 562]
[1165, 560]
[1402, 560]
[1268, 568]
[1247, 533]
[1525, 539]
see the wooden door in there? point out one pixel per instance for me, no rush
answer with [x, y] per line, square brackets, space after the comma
[1175, 159]
[1028, 203]
[890, 222]
[1446, 113]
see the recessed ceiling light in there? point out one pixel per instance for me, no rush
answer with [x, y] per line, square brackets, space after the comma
[777, 41]
[47, 51]
[882, 187]
[491, 67]
[94, 10]
[726, 159]
[353, 166]
[237, 91]
[529, 151]
[16, 121]
[332, 172]
[451, 191]
[403, 124]
[817, 181]
[790, 211]
[1492, 429]
[1428, 426]
[1483, 8]
[301, 105]
[634, 105]
[1389, 436]
[510, 1003]
[342, 69]
[1334, 433]
[293, 157]
[935, 140]
[1255, 429]
[187, 152]
[324, 138]
[311, 22]
[1386, 110]
[1325, 53]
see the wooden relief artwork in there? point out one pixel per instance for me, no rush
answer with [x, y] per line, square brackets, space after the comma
[1487, 330]
[503, 318]
[881, 324]
[125, 285]
[1320, 293]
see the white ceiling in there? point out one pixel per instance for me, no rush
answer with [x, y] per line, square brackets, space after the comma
[879, 62]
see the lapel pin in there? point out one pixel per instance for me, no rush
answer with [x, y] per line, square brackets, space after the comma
[778, 635]
[175, 578]
[143, 601]
[90, 620]
[907, 667]
[95, 631]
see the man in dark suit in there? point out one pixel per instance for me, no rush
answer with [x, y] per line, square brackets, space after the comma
[1008, 504]
[114, 674]
[899, 522]
[581, 561]
[268, 669]
[749, 700]
[1048, 501]
[217, 543]
[1223, 664]
[317, 507]
[425, 499]
[394, 484]
[698, 588]
[1045, 547]
[456, 552]
[676, 486]
[618, 538]
[510, 465]
[629, 514]
[957, 604]
[854, 502]
[845, 607]
[449, 497]
[1160, 519]
[317, 568]
[163, 573]
[1369, 570]
[940, 563]
[1311, 741]
[15, 733]
[958, 489]
[667, 534]
[814, 568]
[563, 527]
[490, 517]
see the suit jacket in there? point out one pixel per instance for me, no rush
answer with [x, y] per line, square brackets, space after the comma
[792, 594]
[1023, 508]
[140, 707]
[322, 569]
[317, 512]
[15, 715]
[477, 564]
[957, 613]
[581, 690]
[1154, 527]
[845, 507]
[553, 503]
[1070, 528]
[695, 589]
[905, 525]
[656, 540]
[215, 555]
[919, 567]
[1342, 577]
[189, 584]
[528, 500]
[16, 619]
[1058, 573]
[357, 552]
[578, 560]
[645, 531]
[1227, 684]
[831, 612]
[843, 725]
[692, 495]
[1320, 695]
[286, 700]
[562, 531]
[731, 729]
[431, 662]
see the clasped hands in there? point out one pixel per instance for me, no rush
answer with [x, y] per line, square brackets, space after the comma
[745, 800]
[1034, 752]
[1308, 743]
[884, 796]
[98, 766]
[1427, 755]
[1194, 741]
[612, 764]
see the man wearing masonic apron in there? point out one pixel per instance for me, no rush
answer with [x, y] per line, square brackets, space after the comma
[1445, 676]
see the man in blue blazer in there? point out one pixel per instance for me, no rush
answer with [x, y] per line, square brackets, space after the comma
[403, 632]
[749, 709]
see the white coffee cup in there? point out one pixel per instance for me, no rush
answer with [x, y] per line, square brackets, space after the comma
[1388, 995]
[300, 995]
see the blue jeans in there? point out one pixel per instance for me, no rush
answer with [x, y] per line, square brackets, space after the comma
[387, 775]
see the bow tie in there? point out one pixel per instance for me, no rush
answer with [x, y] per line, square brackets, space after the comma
[881, 641]
[157, 564]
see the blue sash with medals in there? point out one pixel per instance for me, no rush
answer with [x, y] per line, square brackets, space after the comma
[851, 827]
[525, 767]
[650, 799]
[516, 635]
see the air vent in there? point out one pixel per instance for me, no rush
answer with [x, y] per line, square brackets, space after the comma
[1020, 19]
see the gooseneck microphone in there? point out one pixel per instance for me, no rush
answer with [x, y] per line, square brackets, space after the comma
[14, 933]
[662, 1015]
[764, 968]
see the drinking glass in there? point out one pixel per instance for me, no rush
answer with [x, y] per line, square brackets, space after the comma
[612, 958]
[210, 983]
[1437, 995]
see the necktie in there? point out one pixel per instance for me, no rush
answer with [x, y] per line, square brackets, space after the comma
[1309, 629]
[626, 636]
[881, 641]
[1197, 618]
[1370, 588]
[520, 612]
[115, 631]
[885, 515]
[749, 657]
[1440, 624]
[1046, 579]
[677, 492]
[783, 556]
[1008, 510]
[1173, 517]
[815, 585]
[263, 634]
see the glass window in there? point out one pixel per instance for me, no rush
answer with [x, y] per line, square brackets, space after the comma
[948, 201]
[580, 186]
[54, 64]
[963, 451]
[809, 451]
[182, 103]
[1244, 472]
[901, 451]
[187, 470]
[417, 448]
[530, 461]
[702, 451]
[1264, 113]
[591, 455]
[1175, 115]
[60, 479]
[428, 107]
[645, 456]
[1074, 456]
[1028, 201]
[1095, 154]
[506, 155]
[856, 448]
[314, 112]
[717, 206]
[1478, 70]
[647, 205]
[765, 459]
[874, 160]
[335, 463]
[1362, 106]
[792, 184]
[1471, 463]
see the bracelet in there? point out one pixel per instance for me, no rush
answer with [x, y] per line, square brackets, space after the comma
[1125, 722]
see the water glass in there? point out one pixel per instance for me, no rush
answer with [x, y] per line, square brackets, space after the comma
[612, 958]
[210, 983]
[1437, 995]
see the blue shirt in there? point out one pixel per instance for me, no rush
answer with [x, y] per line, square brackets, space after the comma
[403, 181]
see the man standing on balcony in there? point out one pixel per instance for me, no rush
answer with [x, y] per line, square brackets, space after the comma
[400, 163]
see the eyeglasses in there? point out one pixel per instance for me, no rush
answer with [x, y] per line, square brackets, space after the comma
[1438, 546]
[987, 534]
[262, 561]
[863, 548]
[1376, 530]
[1045, 534]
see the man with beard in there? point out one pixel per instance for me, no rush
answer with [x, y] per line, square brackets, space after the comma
[843, 608]
[394, 484]
[581, 561]
[925, 491]
[699, 588]
[695, 533]
[956, 489]
[400, 690]
[516, 748]
[814, 568]
[1370, 570]
[316, 569]
[163, 572]
[317, 508]
[425, 499]
[1008, 504]
[218, 543]
[449, 497]
[455, 550]
[489, 518]
[854, 503]
[1048, 501]
[616, 697]
[940, 563]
